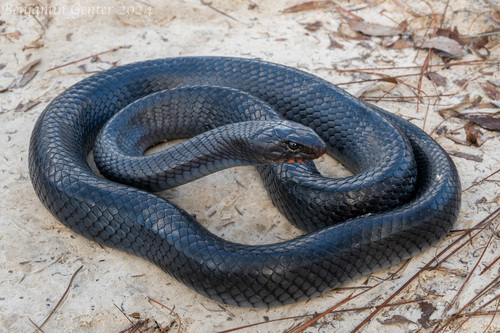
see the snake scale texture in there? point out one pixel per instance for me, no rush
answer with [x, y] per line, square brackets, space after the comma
[404, 195]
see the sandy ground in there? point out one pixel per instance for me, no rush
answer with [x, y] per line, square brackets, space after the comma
[38, 256]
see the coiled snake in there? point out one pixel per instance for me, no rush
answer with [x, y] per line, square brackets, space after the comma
[404, 195]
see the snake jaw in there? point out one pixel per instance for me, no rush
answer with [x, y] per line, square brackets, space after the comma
[309, 153]
[288, 142]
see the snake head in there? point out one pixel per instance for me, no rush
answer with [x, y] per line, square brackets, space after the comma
[287, 142]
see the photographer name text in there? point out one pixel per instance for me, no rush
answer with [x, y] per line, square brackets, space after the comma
[74, 11]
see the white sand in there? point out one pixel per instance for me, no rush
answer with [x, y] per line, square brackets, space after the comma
[38, 255]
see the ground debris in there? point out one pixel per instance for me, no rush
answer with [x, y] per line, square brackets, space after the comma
[373, 29]
[311, 5]
[466, 156]
[396, 319]
[445, 44]
[22, 107]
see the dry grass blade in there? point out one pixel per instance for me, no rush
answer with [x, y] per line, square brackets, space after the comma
[311, 5]
[430, 265]
[459, 63]
[89, 57]
[346, 300]
[493, 285]
[39, 327]
[365, 308]
[450, 305]
[482, 180]
[490, 265]
[448, 252]
[209, 5]
[171, 311]
[478, 311]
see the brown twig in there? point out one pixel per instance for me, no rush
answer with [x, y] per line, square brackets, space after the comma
[475, 313]
[495, 313]
[444, 13]
[209, 5]
[363, 308]
[489, 266]
[491, 286]
[38, 328]
[89, 57]
[460, 63]
[482, 180]
[346, 300]
[123, 313]
[171, 311]
[486, 221]
[60, 301]
[468, 277]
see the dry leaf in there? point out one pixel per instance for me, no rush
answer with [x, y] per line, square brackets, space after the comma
[488, 121]
[26, 68]
[461, 82]
[373, 29]
[311, 5]
[466, 103]
[346, 32]
[347, 14]
[396, 319]
[438, 79]
[406, 7]
[457, 140]
[475, 43]
[389, 41]
[314, 26]
[23, 80]
[403, 44]
[491, 90]
[16, 34]
[334, 44]
[474, 135]
[403, 25]
[444, 44]
[21, 107]
[36, 44]
[389, 79]
[452, 34]
[466, 156]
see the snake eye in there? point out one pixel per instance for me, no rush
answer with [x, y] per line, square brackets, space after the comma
[293, 146]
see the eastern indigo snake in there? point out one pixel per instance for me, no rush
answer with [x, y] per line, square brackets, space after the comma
[404, 195]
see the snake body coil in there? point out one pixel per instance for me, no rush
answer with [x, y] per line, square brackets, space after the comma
[404, 195]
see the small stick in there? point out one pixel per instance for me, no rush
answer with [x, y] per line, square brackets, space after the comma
[486, 221]
[489, 266]
[209, 5]
[171, 311]
[460, 63]
[468, 277]
[315, 319]
[479, 182]
[37, 327]
[60, 300]
[493, 284]
[363, 308]
[123, 313]
[475, 313]
[89, 57]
